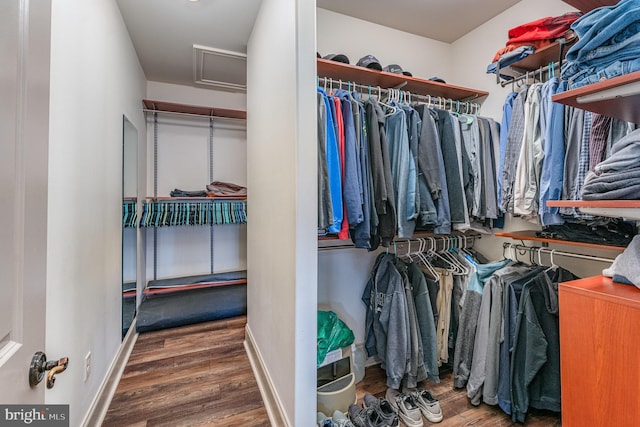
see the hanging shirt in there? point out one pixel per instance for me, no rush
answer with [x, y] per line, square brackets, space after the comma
[512, 150]
[504, 131]
[525, 193]
[551, 175]
[325, 212]
[383, 194]
[402, 171]
[343, 234]
[333, 166]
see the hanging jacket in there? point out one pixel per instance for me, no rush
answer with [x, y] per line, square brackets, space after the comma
[387, 319]
[384, 198]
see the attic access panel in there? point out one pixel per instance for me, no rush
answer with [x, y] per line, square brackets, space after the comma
[220, 68]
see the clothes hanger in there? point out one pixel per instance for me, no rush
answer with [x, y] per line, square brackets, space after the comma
[391, 107]
[468, 119]
[447, 264]
[425, 261]
[554, 266]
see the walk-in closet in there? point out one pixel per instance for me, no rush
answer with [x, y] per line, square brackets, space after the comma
[458, 199]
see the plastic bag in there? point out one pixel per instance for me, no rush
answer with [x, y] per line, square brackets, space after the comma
[333, 333]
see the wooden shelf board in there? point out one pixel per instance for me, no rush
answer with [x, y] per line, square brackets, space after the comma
[605, 288]
[618, 204]
[365, 76]
[629, 209]
[623, 108]
[588, 5]
[188, 287]
[541, 57]
[195, 199]
[171, 107]
[530, 235]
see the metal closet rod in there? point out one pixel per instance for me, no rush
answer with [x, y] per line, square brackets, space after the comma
[553, 252]
[551, 66]
[469, 107]
[146, 110]
[460, 241]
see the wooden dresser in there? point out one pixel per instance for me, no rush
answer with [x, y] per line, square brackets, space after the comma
[600, 353]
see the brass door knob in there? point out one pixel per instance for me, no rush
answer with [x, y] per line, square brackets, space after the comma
[39, 365]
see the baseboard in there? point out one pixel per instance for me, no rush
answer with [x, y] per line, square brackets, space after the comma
[98, 409]
[272, 403]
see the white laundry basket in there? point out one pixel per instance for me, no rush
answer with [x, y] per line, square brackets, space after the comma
[337, 395]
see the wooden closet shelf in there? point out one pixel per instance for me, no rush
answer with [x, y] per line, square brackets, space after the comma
[618, 97]
[171, 107]
[541, 57]
[365, 76]
[588, 5]
[629, 209]
[195, 199]
[530, 235]
[620, 204]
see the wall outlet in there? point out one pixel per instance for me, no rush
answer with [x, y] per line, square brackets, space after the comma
[87, 366]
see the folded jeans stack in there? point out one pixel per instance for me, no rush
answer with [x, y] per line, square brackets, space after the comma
[618, 176]
[608, 44]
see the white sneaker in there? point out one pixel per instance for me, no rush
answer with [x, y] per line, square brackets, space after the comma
[406, 407]
[429, 406]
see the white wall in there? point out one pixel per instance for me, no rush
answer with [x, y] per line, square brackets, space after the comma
[356, 38]
[95, 79]
[183, 162]
[281, 177]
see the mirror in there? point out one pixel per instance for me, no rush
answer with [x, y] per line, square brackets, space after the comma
[129, 222]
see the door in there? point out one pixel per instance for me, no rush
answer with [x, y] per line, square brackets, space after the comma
[24, 129]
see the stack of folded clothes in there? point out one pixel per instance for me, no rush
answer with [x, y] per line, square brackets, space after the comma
[625, 268]
[525, 39]
[608, 45]
[228, 190]
[217, 189]
[618, 176]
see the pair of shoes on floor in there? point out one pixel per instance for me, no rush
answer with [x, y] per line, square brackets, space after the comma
[383, 408]
[365, 417]
[406, 407]
[338, 419]
[429, 406]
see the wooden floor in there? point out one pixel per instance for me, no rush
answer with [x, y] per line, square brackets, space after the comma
[199, 375]
[456, 407]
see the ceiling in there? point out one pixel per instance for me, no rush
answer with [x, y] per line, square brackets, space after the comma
[443, 20]
[164, 32]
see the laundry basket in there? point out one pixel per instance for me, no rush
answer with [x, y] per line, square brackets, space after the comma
[337, 395]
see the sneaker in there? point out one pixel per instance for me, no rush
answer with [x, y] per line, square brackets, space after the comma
[364, 417]
[429, 406]
[340, 419]
[406, 408]
[324, 421]
[383, 408]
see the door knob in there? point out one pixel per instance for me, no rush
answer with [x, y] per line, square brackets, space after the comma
[39, 365]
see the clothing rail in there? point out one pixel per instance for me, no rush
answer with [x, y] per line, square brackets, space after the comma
[549, 68]
[550, 252]
[414, 244]
[176, 113]
[453, 106]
